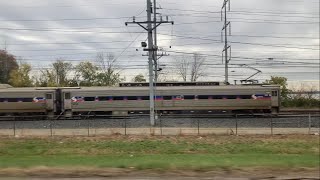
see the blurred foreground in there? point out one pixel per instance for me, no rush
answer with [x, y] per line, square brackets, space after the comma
[152, 157]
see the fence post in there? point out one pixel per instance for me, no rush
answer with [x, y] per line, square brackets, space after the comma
[14, 126]
[160, 126]
[309, 119]
[125, 126]
[88, 127]
[236, 124]
[271, 124]
[51, 121]
[198, 127]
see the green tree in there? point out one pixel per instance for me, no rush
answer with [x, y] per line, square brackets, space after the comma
[8, 63]
[139, 78]
[47, 78]
[282, 81]
[21, 77]
[109, 78]
[55, 76]
[62, 69]
[86, 73]
[108, 74]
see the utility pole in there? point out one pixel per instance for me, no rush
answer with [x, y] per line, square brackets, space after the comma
[226, 46]
[151, 57]
[155, 53]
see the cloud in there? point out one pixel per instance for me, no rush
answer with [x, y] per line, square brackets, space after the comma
[78, 29]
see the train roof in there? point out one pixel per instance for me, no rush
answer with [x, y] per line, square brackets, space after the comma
[5, 86]
[160, 84]
[24, 89]
[6, 89]
[177, 87]
[102, 88]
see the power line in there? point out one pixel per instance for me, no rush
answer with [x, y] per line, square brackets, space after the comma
[67, 49]
[71, 6]
[218, 12]
[68, 19]
[248, 43]
[205, 14]
[67, 31]
[238, 57]
[69, 43]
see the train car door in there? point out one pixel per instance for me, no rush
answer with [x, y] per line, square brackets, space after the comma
[50, 107]
[67, 101]
[275, 99]
[50, 102]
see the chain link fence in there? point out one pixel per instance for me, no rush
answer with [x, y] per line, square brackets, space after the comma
[165, 125]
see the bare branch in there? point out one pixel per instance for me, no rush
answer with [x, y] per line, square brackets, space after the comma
[182, 65]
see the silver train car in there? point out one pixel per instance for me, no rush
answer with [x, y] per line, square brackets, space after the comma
[27, 101]
[121, 101]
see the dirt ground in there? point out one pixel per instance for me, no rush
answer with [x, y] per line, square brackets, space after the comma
[130, 174]
[209, 138]
[156, 131]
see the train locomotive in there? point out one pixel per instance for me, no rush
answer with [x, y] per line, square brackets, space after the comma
[133, 98]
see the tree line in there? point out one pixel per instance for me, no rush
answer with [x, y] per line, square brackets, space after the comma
[104, 72]
[297, 99]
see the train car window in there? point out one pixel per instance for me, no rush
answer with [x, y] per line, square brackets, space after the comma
[231, 97]
[203, 97]
[48, 96]
[89, 98]
[104, 98]
[67, 95]
[146, 98]
[274, 93]
[118, 98]
[188, 97]
[167, 97]
[16, 99]
[132, 98]
[217, 97]
[27, 100]
[245, 97]
[12, 100]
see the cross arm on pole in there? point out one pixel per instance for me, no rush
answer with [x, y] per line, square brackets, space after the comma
[225, 4]
[139, 23]
[162, 22]
[226, 49]
[225, 26]
[146, 22]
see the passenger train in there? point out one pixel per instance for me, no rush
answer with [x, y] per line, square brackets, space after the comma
[132, 98]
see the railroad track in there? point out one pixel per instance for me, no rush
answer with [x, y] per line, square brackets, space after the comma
[177, 116]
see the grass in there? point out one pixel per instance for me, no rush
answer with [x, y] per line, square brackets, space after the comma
[162, 152]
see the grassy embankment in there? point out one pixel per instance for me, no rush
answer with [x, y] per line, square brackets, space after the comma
[162, 152]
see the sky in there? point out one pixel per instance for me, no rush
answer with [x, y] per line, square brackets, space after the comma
[277, 37]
